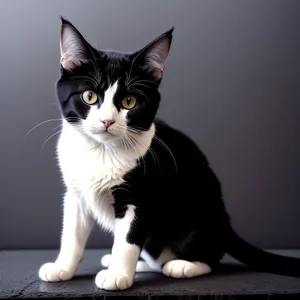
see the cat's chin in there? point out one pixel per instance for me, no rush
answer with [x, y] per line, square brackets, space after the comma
[104, 137]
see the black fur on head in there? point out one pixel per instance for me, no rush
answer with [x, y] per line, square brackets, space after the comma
[137, 74]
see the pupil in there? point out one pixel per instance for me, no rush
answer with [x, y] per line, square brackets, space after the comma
[128, 100]
[90, 96]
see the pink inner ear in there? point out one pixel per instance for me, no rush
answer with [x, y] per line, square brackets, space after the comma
[66, 64]
[158, 73]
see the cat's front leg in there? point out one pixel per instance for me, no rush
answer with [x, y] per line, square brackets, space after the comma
[128, 239]
[76, 229]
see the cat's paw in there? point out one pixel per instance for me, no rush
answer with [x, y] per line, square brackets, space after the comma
[105, 260]
[52, 272]
[178, 268]
[113, 281]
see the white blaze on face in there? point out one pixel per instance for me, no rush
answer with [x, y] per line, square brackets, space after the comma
[108, 110]
[94, 125]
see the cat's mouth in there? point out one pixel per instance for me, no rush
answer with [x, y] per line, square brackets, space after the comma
[102, 136]
[97, 131]
[107, 132]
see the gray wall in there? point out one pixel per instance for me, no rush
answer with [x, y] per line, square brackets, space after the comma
[232, 84]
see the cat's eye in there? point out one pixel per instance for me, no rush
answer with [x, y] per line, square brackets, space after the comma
[129, 102]
[89, 97]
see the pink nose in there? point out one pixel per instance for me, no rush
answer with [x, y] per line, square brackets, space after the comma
[107, 123]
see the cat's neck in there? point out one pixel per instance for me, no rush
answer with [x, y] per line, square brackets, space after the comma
[80, 142]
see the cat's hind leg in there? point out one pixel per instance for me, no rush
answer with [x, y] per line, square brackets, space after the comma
[179, 268]
[195, 255]
[171, 265]
[198, 253]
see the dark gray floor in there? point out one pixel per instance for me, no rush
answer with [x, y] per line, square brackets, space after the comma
[18, 278]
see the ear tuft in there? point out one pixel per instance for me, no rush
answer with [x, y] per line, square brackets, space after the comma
[63, 20]
[73, 47]
[156, 53]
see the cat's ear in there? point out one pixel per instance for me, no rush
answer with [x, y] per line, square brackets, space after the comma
[74, 49]
[154, 56]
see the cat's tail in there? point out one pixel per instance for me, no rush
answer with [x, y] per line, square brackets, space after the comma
[260, 260]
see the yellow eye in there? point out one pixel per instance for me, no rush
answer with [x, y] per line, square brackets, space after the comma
[89, 97]
[129, 102]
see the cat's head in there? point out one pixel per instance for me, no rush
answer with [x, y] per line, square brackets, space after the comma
[108, 95]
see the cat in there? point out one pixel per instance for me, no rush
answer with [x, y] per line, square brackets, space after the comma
[136, 176]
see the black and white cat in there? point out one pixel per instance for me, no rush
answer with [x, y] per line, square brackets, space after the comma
[134, 175]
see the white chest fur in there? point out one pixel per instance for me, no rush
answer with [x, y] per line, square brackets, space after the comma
[91, 169]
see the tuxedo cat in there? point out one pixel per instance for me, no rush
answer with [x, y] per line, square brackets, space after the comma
[137, 177]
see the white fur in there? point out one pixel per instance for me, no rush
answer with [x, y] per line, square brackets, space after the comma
[89, 169]
[155, 264]
[108, 111]
[149, 265]
[178, 268]
[119, 275]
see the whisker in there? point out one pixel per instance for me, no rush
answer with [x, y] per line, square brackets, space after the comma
[150, 149]
[88, 78]
[133, 61]
[155, 158]
[99, 76]
[44, 122]
[163, 144]
[135, 145]
[132, 79]
[51, 136]
[135, 131]
[94, 77]
[140, 84]
[140, 92]
[160, 141]
[124, 144]
[121, 188]
[56, 128]
[145, 80]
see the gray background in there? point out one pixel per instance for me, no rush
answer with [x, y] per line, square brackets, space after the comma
[232, 83]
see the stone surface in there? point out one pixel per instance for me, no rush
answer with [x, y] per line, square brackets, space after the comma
[18, 278]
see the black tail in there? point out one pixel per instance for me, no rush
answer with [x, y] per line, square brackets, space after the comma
[260, 260]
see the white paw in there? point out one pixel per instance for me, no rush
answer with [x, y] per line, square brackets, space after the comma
[52, 272]
[112, 281]
[105, 260]
[184, 269]
[141, 266]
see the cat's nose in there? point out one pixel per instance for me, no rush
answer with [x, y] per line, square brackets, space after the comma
[108, 123]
